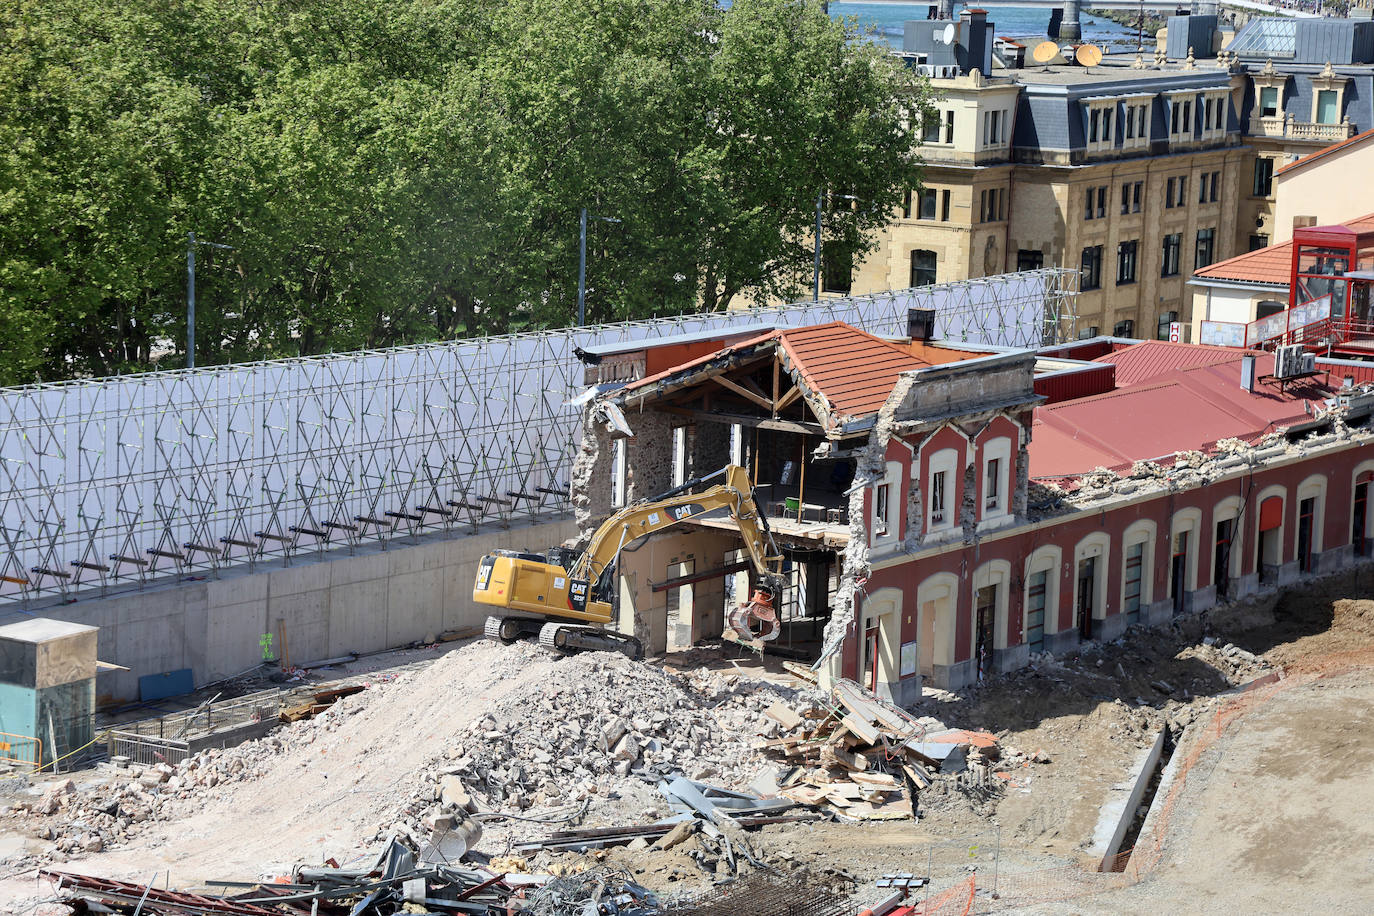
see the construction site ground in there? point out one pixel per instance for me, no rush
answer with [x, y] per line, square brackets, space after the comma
[1274, 815]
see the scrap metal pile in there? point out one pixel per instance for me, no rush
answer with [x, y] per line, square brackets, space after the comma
[400, 880]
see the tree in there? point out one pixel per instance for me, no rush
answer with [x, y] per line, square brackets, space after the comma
[392, 171]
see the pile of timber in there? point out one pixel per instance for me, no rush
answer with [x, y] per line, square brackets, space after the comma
[864, 757]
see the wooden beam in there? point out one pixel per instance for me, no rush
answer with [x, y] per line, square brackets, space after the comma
[786, 400]
[742, 391]
[785, 426]
[776, 370]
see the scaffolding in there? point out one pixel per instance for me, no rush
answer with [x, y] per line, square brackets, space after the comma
[117, 482]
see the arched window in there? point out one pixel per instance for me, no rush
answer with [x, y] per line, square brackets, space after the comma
[922, 267]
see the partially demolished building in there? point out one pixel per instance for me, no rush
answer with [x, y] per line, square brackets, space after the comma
[947, 510]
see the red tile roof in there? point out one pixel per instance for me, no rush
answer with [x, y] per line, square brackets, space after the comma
[1272, 264]
[1148, 360]
[1182, 409]
[853, 370]
[1321, 153]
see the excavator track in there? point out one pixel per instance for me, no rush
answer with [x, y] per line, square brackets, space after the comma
[509, 629]
[568, 639]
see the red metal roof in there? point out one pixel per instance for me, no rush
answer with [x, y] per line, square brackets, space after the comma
[1150, 359]
[1180, 410]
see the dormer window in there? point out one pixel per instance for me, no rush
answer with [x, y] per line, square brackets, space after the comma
[1328, 96]
[1102, 127]
[1216, 107]
[1135, 123]
[1181, 127]
[1269, 102]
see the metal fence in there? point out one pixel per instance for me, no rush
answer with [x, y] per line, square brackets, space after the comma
[123, 480]
[215, 724]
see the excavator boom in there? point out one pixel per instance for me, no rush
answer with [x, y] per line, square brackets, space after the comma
[580, 591]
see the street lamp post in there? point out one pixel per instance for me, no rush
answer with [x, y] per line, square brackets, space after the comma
[582, 266]
[191, 243]
[816, 266]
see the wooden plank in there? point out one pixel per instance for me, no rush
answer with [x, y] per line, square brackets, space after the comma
[865, 731]
[786, 400]
[882, 780]
[849, 760]
[917, 775]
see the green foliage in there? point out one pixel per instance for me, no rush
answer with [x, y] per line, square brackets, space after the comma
[392, 171]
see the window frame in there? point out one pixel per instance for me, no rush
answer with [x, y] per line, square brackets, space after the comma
[1211, 239]
[1172, 255]
[932, 269]
[1091, 278]
[1127, 261]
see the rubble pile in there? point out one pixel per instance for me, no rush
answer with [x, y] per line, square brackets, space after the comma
[599, 720]
[868, 759]
[108, 813]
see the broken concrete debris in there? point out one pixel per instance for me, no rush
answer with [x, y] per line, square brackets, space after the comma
[867, 759]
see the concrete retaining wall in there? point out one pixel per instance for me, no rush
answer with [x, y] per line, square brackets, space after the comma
[1119, 810]
[329, 606]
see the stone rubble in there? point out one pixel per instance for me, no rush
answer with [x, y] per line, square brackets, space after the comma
[601, 726]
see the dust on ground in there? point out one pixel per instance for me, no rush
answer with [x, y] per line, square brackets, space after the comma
[332, 786]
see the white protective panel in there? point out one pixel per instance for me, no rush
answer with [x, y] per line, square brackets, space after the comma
[123, 480]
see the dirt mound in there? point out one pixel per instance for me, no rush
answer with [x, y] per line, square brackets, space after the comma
[1353, 615]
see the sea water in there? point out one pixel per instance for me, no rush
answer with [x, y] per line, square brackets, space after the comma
[1026, 24]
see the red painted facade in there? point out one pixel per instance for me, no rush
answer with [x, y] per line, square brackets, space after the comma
[1336, 466]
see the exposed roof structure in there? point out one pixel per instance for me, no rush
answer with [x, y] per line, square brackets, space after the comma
[1309, 159]
[1180, 409]
[848, 372]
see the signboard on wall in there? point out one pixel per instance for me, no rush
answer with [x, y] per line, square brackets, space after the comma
[908, 659]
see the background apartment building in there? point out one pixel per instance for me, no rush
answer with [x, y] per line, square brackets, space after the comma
[1301, 85]
[1130, 173]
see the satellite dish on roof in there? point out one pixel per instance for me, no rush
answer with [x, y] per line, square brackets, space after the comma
[947, 36]
[1045, 52]
[1088, 55]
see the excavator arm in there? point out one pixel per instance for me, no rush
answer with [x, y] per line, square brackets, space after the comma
[734, 494]
[581, 591]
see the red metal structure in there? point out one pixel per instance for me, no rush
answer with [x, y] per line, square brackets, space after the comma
[1331, 274]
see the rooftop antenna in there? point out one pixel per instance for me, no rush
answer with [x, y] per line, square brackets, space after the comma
[1045, 53]
[1088, 55]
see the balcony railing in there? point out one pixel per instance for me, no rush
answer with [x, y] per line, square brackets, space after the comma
[1288, 128]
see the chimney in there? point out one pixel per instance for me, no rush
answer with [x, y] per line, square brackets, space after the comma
[1070, 29]
[976, 34]
[1247, 373]
[920, 324]
[945, 10]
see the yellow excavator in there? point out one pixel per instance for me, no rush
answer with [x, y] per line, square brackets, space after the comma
[571, 592]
